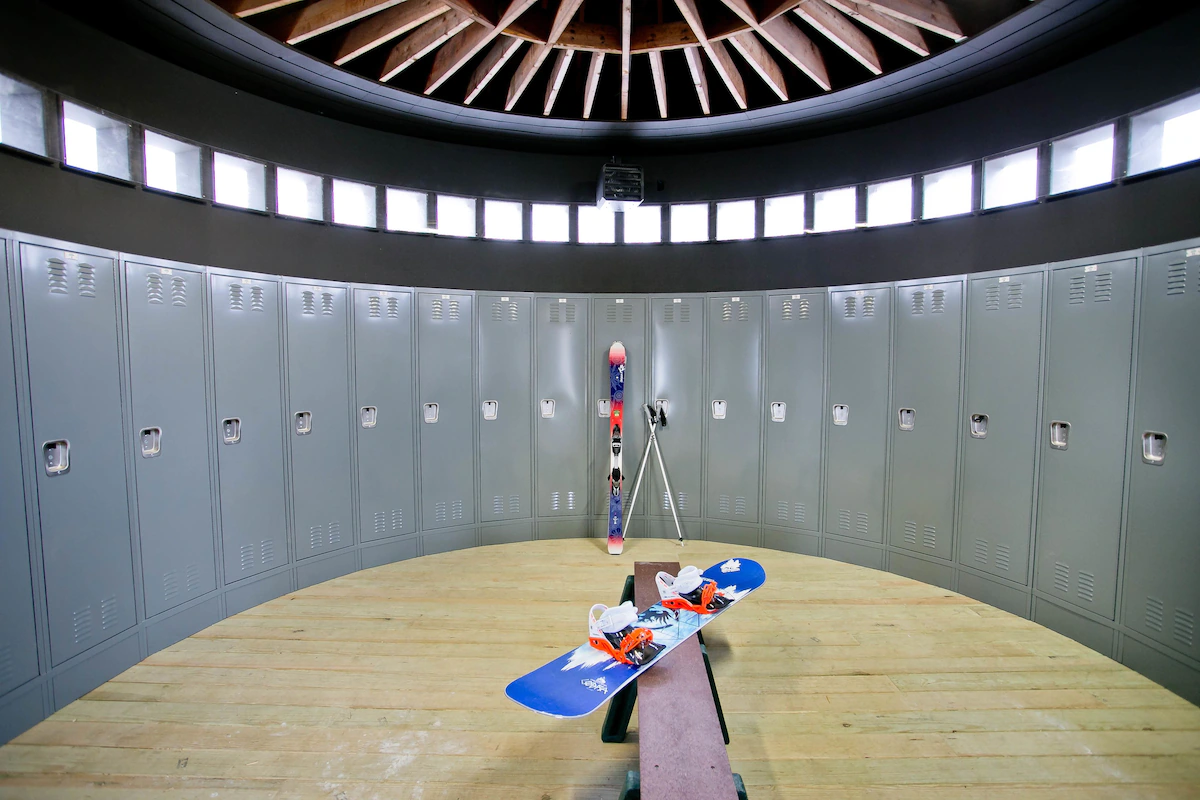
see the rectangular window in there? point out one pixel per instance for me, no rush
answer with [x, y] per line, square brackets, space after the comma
[1082, 160]
[735, 220]
[299, 194]
[551, 223]
[783, 216]
[947, 193]
[502, 220]
[172, 165]
[94, 142]
[643, 225]
[408, 211]
[1165, 136]
[835, 210]
[455, 215]
[597, 225]
[890, 203]
[22, 117]
[1009, 180]
[239, 182]
[354, 204]
[689, 222]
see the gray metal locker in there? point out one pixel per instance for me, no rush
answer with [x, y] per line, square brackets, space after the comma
[734, 412]
[1085, 410]
[249, 422]
[563, 405]
[794, 405]
[926, 364]
[1161, 595]
[71, 332]
[18, 639]
[319, 418]
[618, 319]
[856, 414]
[677, 377]
[1004, 338]
[505, 407]
[447, 412]
[383, 383]
[165, 308]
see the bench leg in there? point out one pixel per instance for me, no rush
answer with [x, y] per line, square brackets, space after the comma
[620, 708]
[712, 684]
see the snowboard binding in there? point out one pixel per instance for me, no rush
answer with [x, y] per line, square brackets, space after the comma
[612, 631]
[690, 591]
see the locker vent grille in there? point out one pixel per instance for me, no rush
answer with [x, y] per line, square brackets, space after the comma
[327, 304]
[56, 273]
[6, 664]
[154, 289]
[554, 501]
[397, 519]
[851, 309]
[782, 511]
[316, 537]
[108, 612]
[393, 308]
[1154, 614]
[739, 506]
[456, 509]
[991, 300]
[335, 532]
[918, 303]
[170, 585]
[869, 306]
[436, 311]
[87, 280]
[666, 502]
[308, 303]
[505, 311]
[910, 531]
[1015, 296]
[81, 624]
[497, 505]
[1062, 577]
[623, 312]
[929, 538]
[193, 577]
[1087, 586]
[514, 504]
[798, 513]
[266, 550]
[246, 556]
[862, 523]
[1003, 554]
[724, 503]
[939, 301]
[796, 309]
[844, 519]
[380, 523]
[726, 311]
[453, 311]
[179, 291]
[981, 551]
[439, 512]
[256, 299]
[374, 307]
[1102, 292]
[681, 500]
[235, 297]
[570, 501]
[684, 312]
[1185, 627]
[1077, 292]
[1176, 279]
[562, 313]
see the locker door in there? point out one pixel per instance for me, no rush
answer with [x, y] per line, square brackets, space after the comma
[383, 378]
[677, 376]
[857, 416]
[505, 428]
[924, 417]
[447, 411]
[319, 418]
[18, 640]
[170, 433]
[249, 422]
[1161, 593]
[735, 331]
[795, 372]
[562, 480]
[1089, 349]
[75, 389]
[1004, 332]
[618, 319]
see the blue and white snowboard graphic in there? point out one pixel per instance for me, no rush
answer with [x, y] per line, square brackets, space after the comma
[577, 683]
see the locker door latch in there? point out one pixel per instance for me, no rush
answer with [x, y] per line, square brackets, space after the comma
[231, 430]
[604, 408]
[151, 439]
[303, 423]
[57, 457]
[719, 407]
[430, 412]
[1059, 433]
[663, 407]
[908, 418]
[1154, 447]
[547, 408]
[841, 414]
[491, 409]
[979, 425]
[368, 416]
[778, 411]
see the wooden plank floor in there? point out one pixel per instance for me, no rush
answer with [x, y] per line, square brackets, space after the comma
[836, 681]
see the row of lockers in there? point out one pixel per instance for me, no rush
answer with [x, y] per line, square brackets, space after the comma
[185, 428]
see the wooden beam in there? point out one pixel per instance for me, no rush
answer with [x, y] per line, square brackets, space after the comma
[562, 18]
[699, 79]
[537, 54]
[660, 81]
[592, 36]
[502, 50]
[782, 34]
[468, 9]
[775, 8]
[247, 8]
[626, 38]
[422, 41]
[903, 33]
[760, 60]
[717, 53]
[382, 28]
[557, 73]
[593, 80]
[842, 32]
[326, 15]
[461, 49]
[664, 36]
[932, 15]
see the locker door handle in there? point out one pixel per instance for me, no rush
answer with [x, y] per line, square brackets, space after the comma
[231, 430]
[719, 407]
[908, 418]
[604, 408]
[1154, 448]
[547, 408]
[491, 409]
[151, 440]
[841, 414]
[979, 426]
[56, 456]
[303, 423]
[430, 412]
[1060, 433]
[368, 416]
[778, 411]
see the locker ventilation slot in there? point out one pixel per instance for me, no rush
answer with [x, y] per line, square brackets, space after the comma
[681, 500]
[743, 312]
[726, 311]
[436, 311]
[56, 273]
[439, 512]
[514, 504]
[724, 503]
[554, 501]
[844, 519]
[171, 585]
[154, 289]
[1154, 614]
[991, 301]
[1002, 556]
[869, 306]
[782, 512]
[739, 506]
[246, 553]
[939, 301]
[1176, 279]
[570, 501]
[308, 303]
[87, 280]
[622, 313]
[981, 551]
[851, 307]
[1062, 577]
[1102, 292]
[266, 551]
[1077, 292]
[1185, 627]
[796, 309]
[108, 613]
[681, 312]
[179, 292]
[335, 532]
[6, 665]
[397, 519]
[456, 509]
[1087, 586]
[918, 303]
[862, 523]
[910, 532]
[374, 307]
[498, 505]
[393, 308]
[929, 538]
[562, 313]
[81, 624]
[1015, 296]
[316, 537]
[256, 299]
[235, 297]
[798, 513]
[327, 304]
[504, 311]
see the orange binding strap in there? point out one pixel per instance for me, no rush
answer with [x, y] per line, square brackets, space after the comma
[706, 596]
[633, 640]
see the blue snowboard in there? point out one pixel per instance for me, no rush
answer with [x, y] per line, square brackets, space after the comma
[579, 682]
